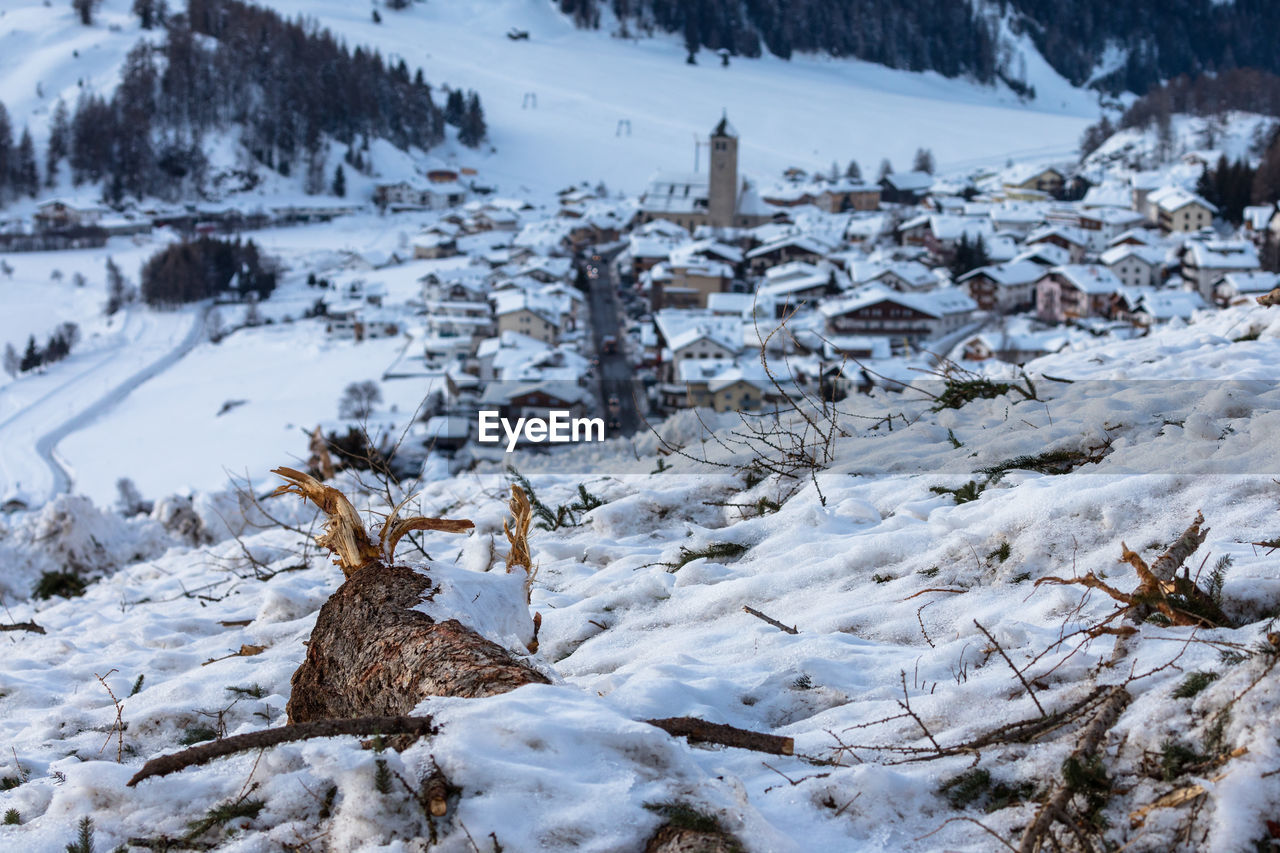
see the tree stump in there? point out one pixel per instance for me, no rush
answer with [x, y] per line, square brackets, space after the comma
[372, 654]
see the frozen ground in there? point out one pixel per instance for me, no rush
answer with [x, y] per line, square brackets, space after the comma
[883, 578]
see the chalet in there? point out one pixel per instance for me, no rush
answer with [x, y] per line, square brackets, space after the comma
[1011, 347]
[904, 276]
[940, 233]
[1006, 287]
[515, 400]
[1104, 224]
[795, 284]
[905, 188]
[1244, 287]
[844, 196]
[692, 281]
[1135, 265]
[59, 214]
[877, 310]
[1145, 307]
[786, 250]
[1206, 262]
[1075, 291]
[1072, 239]
[518, 310]
[1019, 219]
[1031, 183]
[1174, 209]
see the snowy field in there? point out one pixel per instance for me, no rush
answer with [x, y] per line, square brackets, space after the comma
[886, 580]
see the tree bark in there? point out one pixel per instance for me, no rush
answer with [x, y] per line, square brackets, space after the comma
[671, 839]
[372, 654]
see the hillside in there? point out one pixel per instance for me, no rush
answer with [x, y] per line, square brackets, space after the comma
[890, 584]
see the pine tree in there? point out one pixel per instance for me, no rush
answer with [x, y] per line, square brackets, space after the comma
[339, 182]
[146, 12]
[6, 153]
[85, 9]
[473, 128]
[853, 172]
[455, 108]
[115, 288]
[923, 161]
[31, 356]
[26, 179]
[59, 142]
[886, 169]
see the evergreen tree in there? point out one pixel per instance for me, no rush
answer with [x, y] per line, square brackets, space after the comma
[923, 161]
[339, 182]
[26, 178]
[6, 153]
[85, 9]
[853, 172]
[31, 356]
[455, 108]
[473, 130]
[886, 169]
[115, 288]
[146, 12]
[59, 142]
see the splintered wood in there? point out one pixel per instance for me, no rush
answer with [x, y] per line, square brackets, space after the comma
[345, 536]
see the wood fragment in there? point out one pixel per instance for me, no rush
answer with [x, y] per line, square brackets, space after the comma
[23, 626]
[1115, 703]
[774, 622]
[1016, 671]
[246, 651]
[436, 793]
[206, 752]
[701, 731]
[935, 589]
[235, 623]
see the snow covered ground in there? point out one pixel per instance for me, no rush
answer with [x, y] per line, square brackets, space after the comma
[884, 578]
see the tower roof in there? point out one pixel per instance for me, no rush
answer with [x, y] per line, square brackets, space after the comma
[723, 128]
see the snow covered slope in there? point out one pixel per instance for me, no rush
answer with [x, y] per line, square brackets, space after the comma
[889, 583]
[806, 112]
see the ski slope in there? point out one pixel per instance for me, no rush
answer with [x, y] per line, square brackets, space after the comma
[806, 112]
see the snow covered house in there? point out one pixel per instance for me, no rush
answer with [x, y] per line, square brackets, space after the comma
[1206, 262]
[1176, 209]
[1240, 287]
[1027, 182]
[1006, 287]
[1136, 265]
[795, 247]
[1075, 291]
[877, 310]
[906, 187]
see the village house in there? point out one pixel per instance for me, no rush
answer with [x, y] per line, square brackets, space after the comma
[795, 247]
[1145, 307]
[905, 188]
[909, 317]
[1032, 183]
[1174, 209]
[1102, 225]
[796, 284]
[1004, 288]
[904, 276]
[844, 195]
[1066, 237]
[1075, 291]
[1013, 347]
[517, 310]
[1135, 265]
[59, 214]
[1244, 287]
[1206, 262]
[692, 281]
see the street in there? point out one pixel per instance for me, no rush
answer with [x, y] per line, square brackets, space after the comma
[617, 379]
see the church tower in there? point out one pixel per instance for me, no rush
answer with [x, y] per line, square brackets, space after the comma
[722, 201]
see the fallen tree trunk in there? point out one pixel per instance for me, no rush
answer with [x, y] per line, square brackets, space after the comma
[372, 654]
